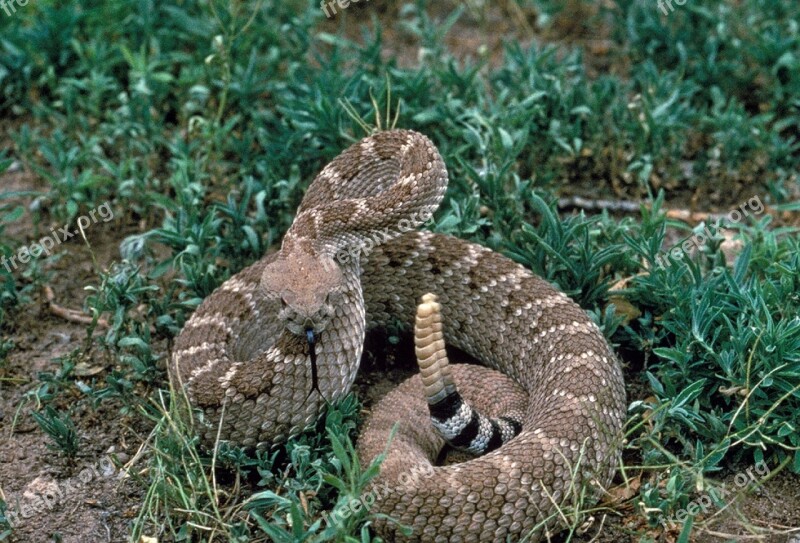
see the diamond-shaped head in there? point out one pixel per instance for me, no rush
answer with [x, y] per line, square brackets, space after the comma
[309, 287]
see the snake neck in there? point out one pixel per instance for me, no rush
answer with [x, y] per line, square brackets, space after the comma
[376, 190]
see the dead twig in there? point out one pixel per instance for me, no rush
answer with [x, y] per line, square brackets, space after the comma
[684, 215]
[586, 204]
[70, 315]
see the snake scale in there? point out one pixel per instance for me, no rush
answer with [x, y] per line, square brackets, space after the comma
[267, 349]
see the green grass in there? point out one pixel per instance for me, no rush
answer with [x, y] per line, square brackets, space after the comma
[203, 123]
[61, 430]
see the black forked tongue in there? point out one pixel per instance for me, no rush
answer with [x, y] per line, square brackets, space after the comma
[312, 351]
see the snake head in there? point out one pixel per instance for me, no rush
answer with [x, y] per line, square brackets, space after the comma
[310, 287]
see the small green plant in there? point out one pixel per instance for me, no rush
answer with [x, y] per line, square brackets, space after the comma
[121, 289]
[5, 526]
[61, 430]
[9, 213]
[6, 346]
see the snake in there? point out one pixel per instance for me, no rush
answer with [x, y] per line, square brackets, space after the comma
[538, 420]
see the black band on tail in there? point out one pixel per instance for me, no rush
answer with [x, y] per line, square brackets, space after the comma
[464, 428]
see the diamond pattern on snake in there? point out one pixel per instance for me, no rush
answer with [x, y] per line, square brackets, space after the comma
[541, 417]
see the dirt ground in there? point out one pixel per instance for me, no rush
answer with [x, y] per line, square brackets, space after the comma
[90, 498]
[93, 498]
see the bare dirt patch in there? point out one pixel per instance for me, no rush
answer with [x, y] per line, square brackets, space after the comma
[88, 498]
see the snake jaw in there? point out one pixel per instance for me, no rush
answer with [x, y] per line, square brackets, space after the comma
[300, 319]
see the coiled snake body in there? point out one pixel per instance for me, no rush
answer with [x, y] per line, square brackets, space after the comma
[350, 261]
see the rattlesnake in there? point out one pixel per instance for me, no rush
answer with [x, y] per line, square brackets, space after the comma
[350, 261]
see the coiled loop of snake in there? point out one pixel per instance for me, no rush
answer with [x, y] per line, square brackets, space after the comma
[244, 356]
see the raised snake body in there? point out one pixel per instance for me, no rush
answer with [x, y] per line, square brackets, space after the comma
[344, 266]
